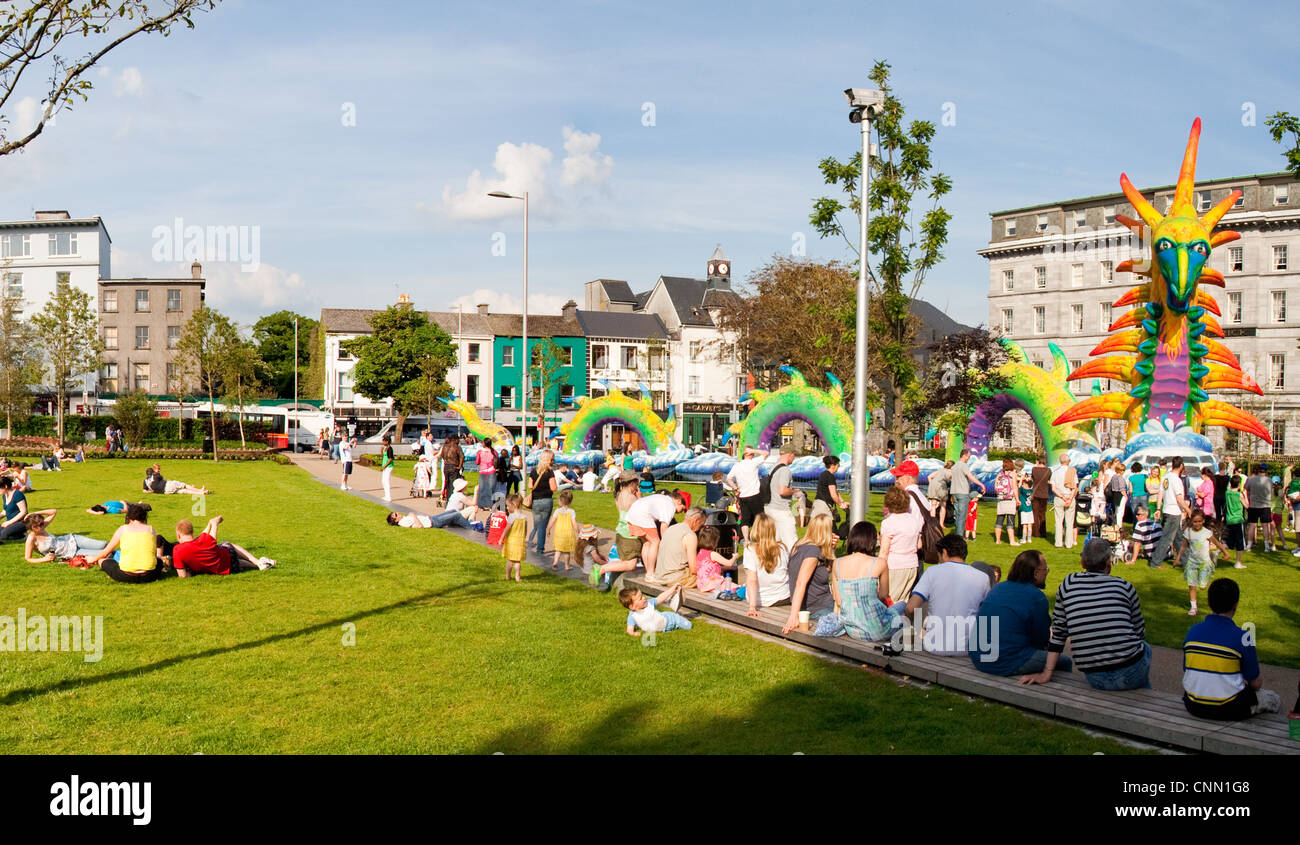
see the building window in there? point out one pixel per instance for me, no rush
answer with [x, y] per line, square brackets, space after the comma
[173, 300]
[1008, 280]
[1010, 227]
[694, 389]
[507, 356]
[629, 357]
[657, 358]
[1107, 272]
[1277, 371]
[1106, 316]
[173, 378]
[1202, 200]
[142, 300]
[110, 378]
[1108, 214]
[695, 348]
[1042, 222]
[566, 356]
[1279, 437]
[343, 353]
[345, 387]
[1279, 256]
[1234, 306]
[507, 396]
[1076, 275]
[1279, 306]
[742, 385]
[1236, 259]
[659, 399]
[63, 243]
[1241, 200]
[141, 337]
[15, 246]
[141, 377]
[599, 356]
[474, 349]
[1080, 219]
[1281, 195]
[1076, 318]
[471, 389]
[1008, 316]
[110, 302]
[1079, 385]
[110, 337]
[1037, 362]
[1040, 277]
[173, 337]
[566, 393]
[596, 392]
[1040, 319]
[14, 285]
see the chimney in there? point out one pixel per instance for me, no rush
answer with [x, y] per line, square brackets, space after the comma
[403, 299]
[483, 308]
[570, 310]
[196, 270]
[53, 215]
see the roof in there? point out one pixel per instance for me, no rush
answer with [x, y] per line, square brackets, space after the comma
[354, 321]
[71, 223]
[687, 297]
[642, 298]
[1119, 196]
[718, 254]
[136, 280]
[617, 290]
[621, 325]
[539, 325]
[935, 324]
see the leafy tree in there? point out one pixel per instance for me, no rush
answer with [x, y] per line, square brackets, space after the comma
[545, 376]
[906, 248]
[274, 336]
[34, 35]
[135, 411]
[240, 366]
[314, 388]
[403, 356]
[962, 373]
[1282, 124]
[69, 332]
[20, 360]
[200, 355]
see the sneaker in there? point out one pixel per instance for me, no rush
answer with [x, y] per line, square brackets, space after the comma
[343, 486]
[1239, 566]
[266, 562]
[676, 601]
[1268, 702]
[1192, 612]
[1296, 553]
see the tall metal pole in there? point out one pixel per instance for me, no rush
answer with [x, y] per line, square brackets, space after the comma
[460, 351]
[527, 358]
[860, 483]
[293, 447]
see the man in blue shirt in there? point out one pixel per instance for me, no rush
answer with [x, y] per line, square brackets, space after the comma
[1013, 623]
[1220, 670]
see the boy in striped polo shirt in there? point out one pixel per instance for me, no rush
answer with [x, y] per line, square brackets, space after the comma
[1102, 617]
[1220, 670]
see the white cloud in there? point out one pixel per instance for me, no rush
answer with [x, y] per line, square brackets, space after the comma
[26, 116]
[243, 295]
[129, 81]
[584, 162]
[505, 303]
[521, 167]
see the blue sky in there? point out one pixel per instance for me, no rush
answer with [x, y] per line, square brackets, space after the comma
[240, 123]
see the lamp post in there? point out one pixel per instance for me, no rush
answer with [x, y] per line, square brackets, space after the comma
[863, 105]
[293, 447]
[523, 429]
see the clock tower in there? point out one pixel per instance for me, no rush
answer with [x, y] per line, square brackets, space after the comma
[719, 270]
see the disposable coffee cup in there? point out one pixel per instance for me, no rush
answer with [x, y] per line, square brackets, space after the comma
[803, 620]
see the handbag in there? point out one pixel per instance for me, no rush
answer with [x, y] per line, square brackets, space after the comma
[528, 497]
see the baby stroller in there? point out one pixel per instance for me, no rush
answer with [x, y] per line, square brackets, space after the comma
[1083, 515]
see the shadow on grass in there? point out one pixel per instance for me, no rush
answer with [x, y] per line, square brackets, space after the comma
[20, 695]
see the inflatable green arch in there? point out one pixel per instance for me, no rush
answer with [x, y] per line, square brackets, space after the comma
[581, 432]
[821, 409]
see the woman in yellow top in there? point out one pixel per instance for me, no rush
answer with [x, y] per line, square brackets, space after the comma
[139, 561]
[1154, 499]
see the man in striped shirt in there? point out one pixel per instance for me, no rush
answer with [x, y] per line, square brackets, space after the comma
[1220, 670]
[1102, 618]
[1146, 533]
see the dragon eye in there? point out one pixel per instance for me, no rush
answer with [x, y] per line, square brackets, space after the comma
[1201, 248]
[1164, 244]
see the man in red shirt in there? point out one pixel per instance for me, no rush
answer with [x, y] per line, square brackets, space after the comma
[202, 555]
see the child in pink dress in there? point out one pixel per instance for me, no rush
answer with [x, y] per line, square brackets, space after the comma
[709, 565]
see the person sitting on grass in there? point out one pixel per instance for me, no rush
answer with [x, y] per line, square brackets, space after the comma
[55, 547]
[15, 510]
[202, 555]
[140, 557]
[1017, 611]
[1146, 533]
[645, 614]
[1221, 677]
[767, 567]
[1197, 557]
[155, 483]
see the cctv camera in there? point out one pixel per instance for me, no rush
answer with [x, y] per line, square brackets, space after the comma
[860, 98]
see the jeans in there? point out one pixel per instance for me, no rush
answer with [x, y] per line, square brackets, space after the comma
[446, 518]
[960, 504]
[541, 515]
[1037, 662]
[1171, 537]
[486, 485]
[1136, 676]
[676, 622]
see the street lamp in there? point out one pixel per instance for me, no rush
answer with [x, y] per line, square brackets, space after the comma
[863, 106]
[524, 427]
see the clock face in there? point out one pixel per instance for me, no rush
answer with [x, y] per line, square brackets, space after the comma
[722, 269]
[712, 268]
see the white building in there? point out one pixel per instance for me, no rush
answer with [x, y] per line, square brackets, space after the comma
[35, 254]
[1052, 278]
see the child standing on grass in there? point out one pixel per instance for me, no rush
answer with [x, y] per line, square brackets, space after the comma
[563, 529]
[1005, 487]
[1098, 504]
[710, 565]
[518, 524]
[1026, 508]
[644, 614]
[972, 517]
[1234, 518]
[1199, 566]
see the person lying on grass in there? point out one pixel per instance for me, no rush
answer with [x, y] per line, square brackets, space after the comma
[643, 613]
[139, 560]
[155, 483]
[202, 555]
[52, 547]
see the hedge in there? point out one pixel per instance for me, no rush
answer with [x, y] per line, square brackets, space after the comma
[76, 426]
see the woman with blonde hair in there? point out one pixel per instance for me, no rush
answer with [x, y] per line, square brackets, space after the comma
[810, 574]
[542, 497]
[767, 576]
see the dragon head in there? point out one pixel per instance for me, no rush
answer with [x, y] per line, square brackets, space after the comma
[1180, 240]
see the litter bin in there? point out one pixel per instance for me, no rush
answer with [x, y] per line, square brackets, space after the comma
[207, 445]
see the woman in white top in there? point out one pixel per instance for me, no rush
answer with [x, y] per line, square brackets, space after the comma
[767, 577]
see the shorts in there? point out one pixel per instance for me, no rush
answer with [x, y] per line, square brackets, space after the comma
[1277, 520]
[112, 569]
[629, 548]
[750, 508]
[347, 468]
[1258, 515]
[1236, 537]
[641, 533]
[1026, 517]
[1005, 519]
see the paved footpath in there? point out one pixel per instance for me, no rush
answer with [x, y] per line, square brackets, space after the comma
[1166, 663]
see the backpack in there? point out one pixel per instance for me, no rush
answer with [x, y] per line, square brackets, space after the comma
[931, 530]
[1002, 485]
[765, 489]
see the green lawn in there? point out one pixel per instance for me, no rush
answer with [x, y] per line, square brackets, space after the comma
[448, 657]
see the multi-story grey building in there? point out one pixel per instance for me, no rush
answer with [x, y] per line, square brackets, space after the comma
[1052, 278]
[141, 321]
